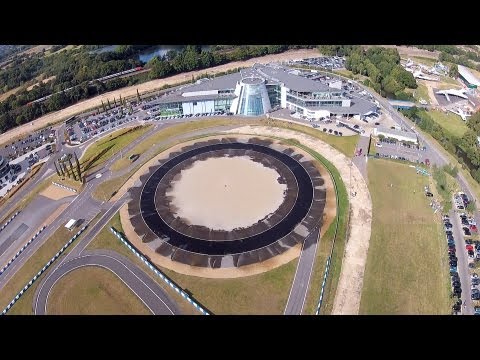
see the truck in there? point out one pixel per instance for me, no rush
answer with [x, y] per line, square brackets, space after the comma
[70, 225]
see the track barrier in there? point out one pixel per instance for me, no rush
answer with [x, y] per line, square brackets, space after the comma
[22, 249]
[159, 272]
[9, 221]
[64, 187]
[45, 267]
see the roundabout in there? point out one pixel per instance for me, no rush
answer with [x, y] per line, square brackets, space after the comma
[227, 203]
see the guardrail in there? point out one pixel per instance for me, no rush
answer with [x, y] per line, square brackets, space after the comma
[45, 267]
[22, 249]
[159, 272]
[63, 186]
[9, 221]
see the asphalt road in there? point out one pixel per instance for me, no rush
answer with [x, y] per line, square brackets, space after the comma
[301, 281]
[147, 290]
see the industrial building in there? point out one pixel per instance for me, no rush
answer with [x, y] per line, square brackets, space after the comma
[395, 134]
[257, 90]
[467, 77]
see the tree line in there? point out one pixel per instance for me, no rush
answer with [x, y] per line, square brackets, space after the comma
[78, 67]
[465, 148]
[455, 55]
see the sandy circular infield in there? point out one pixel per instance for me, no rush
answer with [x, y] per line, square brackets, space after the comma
[218, 193]
[276, 236]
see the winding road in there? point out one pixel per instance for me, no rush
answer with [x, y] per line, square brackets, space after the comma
[142, 285]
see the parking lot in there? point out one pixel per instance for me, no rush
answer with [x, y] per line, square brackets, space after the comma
[23, 146]
[400, 151]
[325, 62]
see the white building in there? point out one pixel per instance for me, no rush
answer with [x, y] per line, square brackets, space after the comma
[255, 91]
[395, 134]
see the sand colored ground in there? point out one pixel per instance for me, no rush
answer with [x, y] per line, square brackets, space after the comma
[248, 270]
[55, 193]
[347, 298]
[44, 81]
[202, 199]
[146, 87]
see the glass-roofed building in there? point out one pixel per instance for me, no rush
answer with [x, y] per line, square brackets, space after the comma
[259, 89]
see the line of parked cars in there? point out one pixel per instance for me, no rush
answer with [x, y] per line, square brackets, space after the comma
[90, 127]
[461, 200]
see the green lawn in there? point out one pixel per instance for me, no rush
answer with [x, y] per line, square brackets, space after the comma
[407, 267]
[450, 122]
[93, 291]
[421, 92]
[103, 149]
[423, 60]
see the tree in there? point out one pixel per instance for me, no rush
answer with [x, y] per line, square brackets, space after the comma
[110, 106]
[78, 166]
[138, 96]
[71, 168]
[453, 72]
[56, 168]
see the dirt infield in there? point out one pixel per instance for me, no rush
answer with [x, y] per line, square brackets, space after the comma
[144, 88]
[247, 270]
[55, 193]
[347, 298]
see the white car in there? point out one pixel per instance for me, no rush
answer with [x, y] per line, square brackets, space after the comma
[378, 144]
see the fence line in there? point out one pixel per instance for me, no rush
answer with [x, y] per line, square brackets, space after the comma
[22, 249]
[45, 267]
[158, 272]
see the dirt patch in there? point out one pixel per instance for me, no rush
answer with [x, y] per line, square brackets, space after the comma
[347, 298]
[44, 81]
[147, 87]
[56, 193]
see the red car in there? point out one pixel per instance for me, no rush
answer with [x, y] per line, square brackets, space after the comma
[473, 228]
[469, 247]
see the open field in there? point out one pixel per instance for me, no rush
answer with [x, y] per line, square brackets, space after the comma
[421, 92]
[93, 291]
[5, 95]
[424, 60]
[44, 81]
[450, 122]
[101, 150]
[407, 267]
[447, 82]
[147, 87]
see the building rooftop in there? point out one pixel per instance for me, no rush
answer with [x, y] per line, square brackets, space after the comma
[395, 132]
[467, 75]
[357, 106]
[224, 82]
[401, 103]
[180, 98]
[293, 82]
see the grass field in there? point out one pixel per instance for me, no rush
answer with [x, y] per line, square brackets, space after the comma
[450, 122]
[93, 291]
[421, 92]
[407, 267]
[345, 144]
[447, 82]
[424, 60]
[103, 149]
